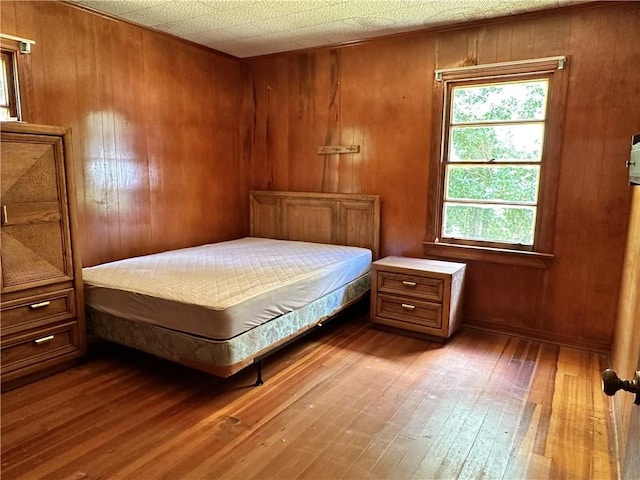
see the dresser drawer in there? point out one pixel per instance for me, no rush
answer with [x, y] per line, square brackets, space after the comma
[21, 351]
[38, 310]
[410, 285]
[409, 311]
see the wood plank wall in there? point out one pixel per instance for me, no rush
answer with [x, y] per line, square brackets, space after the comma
[625, 353]
[154, 122]
[378, 95]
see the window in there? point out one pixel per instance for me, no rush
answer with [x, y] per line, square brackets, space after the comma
[8, 92]
[15, 77]
[497, 147]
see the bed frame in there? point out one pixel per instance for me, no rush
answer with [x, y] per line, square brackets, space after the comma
[332, 218]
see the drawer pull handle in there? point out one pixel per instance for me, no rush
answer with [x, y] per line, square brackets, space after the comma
[5, 216]
[35, 306]
[409, 284]
[40, 341]
[406, 306]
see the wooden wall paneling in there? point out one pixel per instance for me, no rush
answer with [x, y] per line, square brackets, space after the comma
[570, 267]
[612, 194]
[551, 36]
[256, 97]
[359, 116]
[309, 128]
[351, 168]
[455, 48]
[108, 155]
[88, 145]
[271, 124]
[323, 95]
[187, 153]
[514, 41]
[609, 236]
[167, 167]
[301, 121]
[386, 95]
[130, 140]
[58, 63]
[488, 44]
[245, 129]
[317, 120]
[278, 121]
[216, 183]
[578, 223]
[505, 41]
[221, 184]
[8, 21]
[511, 300]
[257, 171]
[331, 130]
[523, 39]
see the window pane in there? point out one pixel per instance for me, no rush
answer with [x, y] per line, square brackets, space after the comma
[501, 143]
[491, 223]
[493, 183]
[507, 101]
[4, 93]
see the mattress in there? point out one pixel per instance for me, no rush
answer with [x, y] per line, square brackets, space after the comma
[220, 290]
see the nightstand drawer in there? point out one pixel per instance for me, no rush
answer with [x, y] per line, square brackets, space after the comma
[36, 347]
[410, 285]
[38, 310]
[417, 296]
[409, 310]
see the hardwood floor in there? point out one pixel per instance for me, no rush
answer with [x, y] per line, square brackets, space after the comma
[348, 401]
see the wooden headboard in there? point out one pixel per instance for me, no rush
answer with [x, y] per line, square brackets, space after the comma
[335, 218]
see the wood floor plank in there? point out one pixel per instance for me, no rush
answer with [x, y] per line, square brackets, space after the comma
[350, 401]
[400, 432]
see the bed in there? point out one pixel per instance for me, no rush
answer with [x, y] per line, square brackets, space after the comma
[222, 307]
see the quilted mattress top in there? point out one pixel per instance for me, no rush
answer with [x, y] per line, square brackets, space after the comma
[220, 275]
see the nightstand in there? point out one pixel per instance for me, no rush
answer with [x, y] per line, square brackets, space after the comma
[417, 295]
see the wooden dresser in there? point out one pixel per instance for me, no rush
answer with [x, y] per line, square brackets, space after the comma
[417, 295]
[42, 320]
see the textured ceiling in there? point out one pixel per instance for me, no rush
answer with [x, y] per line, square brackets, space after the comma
[246, 28]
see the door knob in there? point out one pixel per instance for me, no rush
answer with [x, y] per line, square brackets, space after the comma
[611, 384]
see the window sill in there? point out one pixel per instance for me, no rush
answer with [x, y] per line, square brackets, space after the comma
[490, 255]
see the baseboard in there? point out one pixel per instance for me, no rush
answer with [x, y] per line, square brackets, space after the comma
[583, 344]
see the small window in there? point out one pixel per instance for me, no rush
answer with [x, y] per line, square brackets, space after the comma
[8, 91]
[495, 181]
[15, 74]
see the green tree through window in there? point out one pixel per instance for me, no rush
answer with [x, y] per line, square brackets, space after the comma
[494, 139]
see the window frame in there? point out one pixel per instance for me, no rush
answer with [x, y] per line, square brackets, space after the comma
[9, 72]
[19, 50]
[540, 254]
